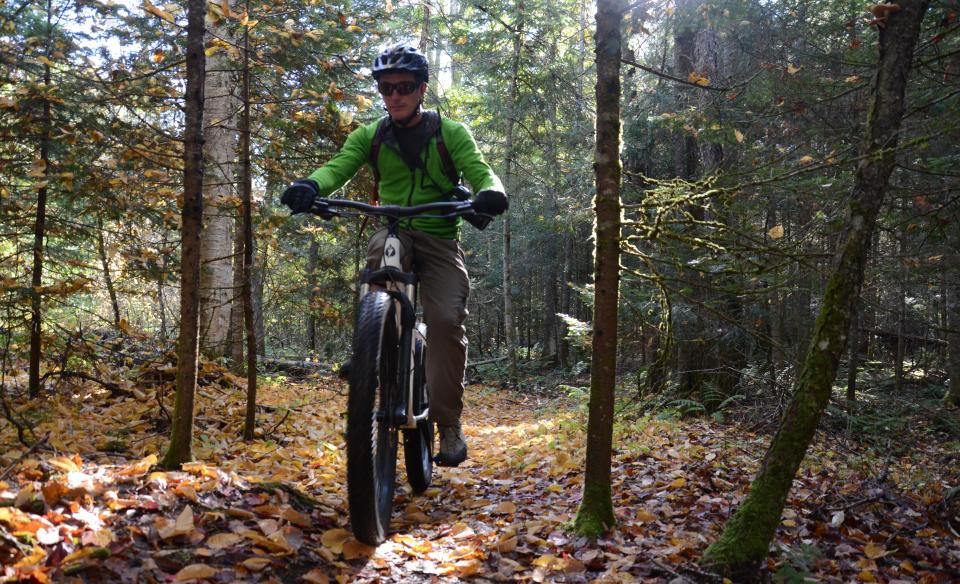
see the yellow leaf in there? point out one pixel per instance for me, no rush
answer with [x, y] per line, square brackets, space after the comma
[36, 556]
[791, 69]
[354, 28]
[789, 523]
[141, 467]
[867, 576]
[645, 516]
[209, 51]
[256, 564]
[363, 103]
[221, 541]
[738, 135]
[334, 539]
[461, 40]
[316, 576]
[677, 483]
[852, 79]
[69, 464]
[195, 572]
[699, 79]
[874, 551]
[806, 160]
[775, 232]
[45, 61]
[353, 550]
[38, 168]
[157, 12]
[345, 119]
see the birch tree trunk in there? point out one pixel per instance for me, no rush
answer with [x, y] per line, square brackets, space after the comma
[181, 434]
[595, 514]
[745, 541]
[219, 152]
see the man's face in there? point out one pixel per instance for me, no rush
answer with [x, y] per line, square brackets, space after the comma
[393, 85]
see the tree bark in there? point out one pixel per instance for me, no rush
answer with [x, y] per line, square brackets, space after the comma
[107, 276]
[595, 514]
[219, 151]
[181, 434]
[952, 286]
[510, 336]
[246, 195]
[745, 541]
[39, 232]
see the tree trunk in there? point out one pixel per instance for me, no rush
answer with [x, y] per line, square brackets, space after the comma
[595, 514]
[952, 286]
[107, 277]
[745, 541]
[246, 189]
[508, 315]
[181, 434]
[219, 151]
[39, 232]
[312, 256]
[234, 348]
[853, 358]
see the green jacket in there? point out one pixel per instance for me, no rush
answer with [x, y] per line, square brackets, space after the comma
[400, 185]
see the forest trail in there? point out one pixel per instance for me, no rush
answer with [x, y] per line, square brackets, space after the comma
[274, 510]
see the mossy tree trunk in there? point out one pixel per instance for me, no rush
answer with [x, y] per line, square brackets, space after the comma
[746, 538]
[596, 507]
[181, 435]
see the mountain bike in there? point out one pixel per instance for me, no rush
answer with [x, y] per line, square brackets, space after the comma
[388, 390]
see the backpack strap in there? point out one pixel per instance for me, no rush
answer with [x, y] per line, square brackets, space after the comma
[446, 161]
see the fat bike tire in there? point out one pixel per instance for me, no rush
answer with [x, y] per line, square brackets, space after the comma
[418, 442]
[371, 432]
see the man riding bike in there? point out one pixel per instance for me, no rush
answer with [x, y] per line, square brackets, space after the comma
[418, 157]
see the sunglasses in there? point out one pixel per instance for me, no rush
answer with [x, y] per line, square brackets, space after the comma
[403, 88]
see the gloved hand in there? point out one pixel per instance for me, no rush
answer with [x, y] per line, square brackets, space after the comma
[479, 221]
[300, 195]
[491, 203]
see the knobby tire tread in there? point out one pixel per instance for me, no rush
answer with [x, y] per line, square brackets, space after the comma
[375, 328]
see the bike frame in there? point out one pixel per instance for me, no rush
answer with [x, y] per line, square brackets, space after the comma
[399, 284]
[402, 287]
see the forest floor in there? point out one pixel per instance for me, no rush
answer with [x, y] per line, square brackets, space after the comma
[89, 504]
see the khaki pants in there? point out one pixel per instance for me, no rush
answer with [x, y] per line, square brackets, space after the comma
[444, 289]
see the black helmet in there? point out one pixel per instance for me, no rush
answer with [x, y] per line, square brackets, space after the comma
[402, 58]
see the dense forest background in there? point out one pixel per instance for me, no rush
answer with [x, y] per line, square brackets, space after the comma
[743, 125]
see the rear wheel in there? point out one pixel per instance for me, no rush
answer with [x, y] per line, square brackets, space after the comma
[371, 431]
[418, 443]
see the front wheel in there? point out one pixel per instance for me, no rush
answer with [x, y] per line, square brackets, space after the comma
[418, 442]
[371, 431]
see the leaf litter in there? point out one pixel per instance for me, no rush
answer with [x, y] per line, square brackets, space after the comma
[94, 507]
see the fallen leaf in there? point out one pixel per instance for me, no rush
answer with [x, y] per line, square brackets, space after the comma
[195, 572]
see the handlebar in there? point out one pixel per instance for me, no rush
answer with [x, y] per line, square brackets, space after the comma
[442, 209]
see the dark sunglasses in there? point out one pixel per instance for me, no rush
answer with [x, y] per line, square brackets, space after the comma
[403, 88]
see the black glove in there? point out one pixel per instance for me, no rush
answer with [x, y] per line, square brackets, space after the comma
[477, 220]
[491, 203]
[300, 195]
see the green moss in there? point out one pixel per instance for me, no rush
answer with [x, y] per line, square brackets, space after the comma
[595, 515]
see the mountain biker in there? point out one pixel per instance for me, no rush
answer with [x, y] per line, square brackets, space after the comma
[422, 159]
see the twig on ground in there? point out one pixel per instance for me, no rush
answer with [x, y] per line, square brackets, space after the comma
[29, 451]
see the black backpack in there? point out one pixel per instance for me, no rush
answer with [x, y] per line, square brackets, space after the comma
[431, 118]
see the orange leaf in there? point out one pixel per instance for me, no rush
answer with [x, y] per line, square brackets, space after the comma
[195, 572]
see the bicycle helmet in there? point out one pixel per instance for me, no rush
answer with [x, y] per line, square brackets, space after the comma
[402, 58]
